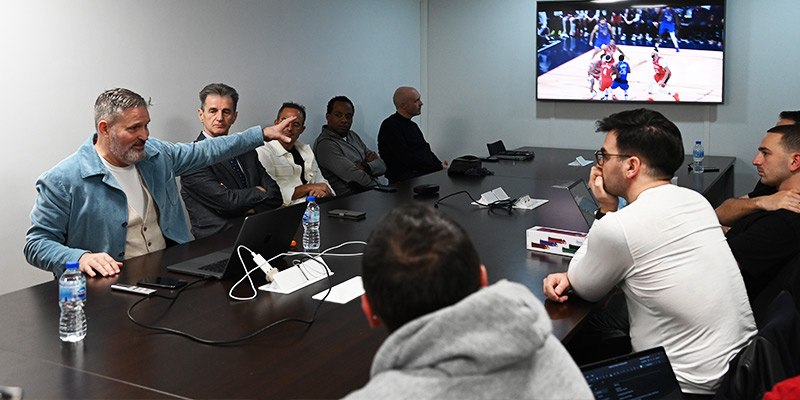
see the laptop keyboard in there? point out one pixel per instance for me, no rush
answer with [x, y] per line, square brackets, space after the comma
[218, 266]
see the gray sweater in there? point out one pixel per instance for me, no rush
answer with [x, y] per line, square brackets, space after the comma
[337, 158]
[495, 344]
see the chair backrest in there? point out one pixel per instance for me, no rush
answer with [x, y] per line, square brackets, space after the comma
[772, 356]
[785, 278]
[496, 147]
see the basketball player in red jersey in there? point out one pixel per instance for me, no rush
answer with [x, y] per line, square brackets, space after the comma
[612, 47]
[606, 72]
[661, 77]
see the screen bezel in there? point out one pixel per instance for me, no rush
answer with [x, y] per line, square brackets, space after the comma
[621, 5]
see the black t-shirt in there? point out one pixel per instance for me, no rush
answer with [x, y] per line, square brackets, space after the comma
[762, 190]
[763, 243]
[298, 159]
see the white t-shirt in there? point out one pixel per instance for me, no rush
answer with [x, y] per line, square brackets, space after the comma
[130, 182]
[684, 291]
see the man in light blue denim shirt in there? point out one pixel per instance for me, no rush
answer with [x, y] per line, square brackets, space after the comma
[116, 197]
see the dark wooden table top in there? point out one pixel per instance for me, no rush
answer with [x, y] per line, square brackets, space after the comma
[327, 359]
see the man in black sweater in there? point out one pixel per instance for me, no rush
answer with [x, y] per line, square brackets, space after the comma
[764, 243]
[400, 142]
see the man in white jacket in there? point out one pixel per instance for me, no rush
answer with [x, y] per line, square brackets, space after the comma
[292, 163]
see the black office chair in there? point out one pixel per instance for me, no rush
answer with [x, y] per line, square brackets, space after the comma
[772, 356]
[785, 278]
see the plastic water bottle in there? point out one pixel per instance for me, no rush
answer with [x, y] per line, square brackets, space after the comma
[71, 297]
[311, 225]
[697, 157]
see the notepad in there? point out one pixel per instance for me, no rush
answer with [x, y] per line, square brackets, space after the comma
[343, 292]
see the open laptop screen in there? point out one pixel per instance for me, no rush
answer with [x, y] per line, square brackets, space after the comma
[269, 234]
[643, 375]
[584, 199]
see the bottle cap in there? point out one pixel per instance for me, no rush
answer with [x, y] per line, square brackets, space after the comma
[72, 264]
[697, 142]
[311, 198]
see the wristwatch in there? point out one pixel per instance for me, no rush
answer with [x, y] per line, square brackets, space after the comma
[599, 214]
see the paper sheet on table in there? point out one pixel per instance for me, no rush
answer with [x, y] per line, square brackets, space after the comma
[580, 162]
[343, 292]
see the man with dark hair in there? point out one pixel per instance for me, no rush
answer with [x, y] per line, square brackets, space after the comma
[400, 141]
[424, 281]
[765, 242]
[344, 159]
[764, 197]
[788, 117]
[219, 197]
[657, 250]
[292, 164]
[116, 197]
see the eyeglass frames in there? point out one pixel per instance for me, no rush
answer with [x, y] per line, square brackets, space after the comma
[600, 156]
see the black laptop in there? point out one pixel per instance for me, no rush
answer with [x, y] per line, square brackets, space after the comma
[643, 375]
[584, 200]
[498, 150]
[269, 234]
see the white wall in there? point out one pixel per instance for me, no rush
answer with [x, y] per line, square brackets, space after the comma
[58, 56]
[473, 59]
[481, 70]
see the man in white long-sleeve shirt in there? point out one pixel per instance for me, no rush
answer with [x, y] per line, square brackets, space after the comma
[666, 252]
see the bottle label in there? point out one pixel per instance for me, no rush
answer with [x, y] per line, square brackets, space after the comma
[72, 292]
[311, 216]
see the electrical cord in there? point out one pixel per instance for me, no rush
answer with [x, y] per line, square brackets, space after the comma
[307, 255]
[506, 204]
[290, 253]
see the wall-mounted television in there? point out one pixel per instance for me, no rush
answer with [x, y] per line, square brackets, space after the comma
[640, 51]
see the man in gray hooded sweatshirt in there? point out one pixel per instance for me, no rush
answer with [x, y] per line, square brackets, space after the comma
[453, 335]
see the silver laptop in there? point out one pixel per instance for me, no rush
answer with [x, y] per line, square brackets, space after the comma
[269, 234]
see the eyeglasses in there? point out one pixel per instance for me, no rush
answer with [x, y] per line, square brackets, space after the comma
[601, 156]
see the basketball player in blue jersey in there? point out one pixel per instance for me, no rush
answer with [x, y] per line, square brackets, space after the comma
[669, 23]
[622, 69]
[603, 35]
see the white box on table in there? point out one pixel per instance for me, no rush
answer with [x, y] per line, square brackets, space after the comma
[553, 240]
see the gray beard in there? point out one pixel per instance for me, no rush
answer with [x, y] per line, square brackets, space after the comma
[129, 155]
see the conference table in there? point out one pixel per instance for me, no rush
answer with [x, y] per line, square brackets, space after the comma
[326, 359]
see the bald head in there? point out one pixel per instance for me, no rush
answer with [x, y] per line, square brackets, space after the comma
[407, 101]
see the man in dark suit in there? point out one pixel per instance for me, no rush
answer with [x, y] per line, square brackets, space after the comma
[218, 197]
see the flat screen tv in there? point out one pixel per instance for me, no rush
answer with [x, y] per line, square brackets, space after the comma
[640, 51]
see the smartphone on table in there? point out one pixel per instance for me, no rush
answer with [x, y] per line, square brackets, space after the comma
[162, 282]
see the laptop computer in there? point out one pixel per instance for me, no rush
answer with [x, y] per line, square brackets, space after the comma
[498, 150]
[584, 200]
[269, 234]
[643, 375]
